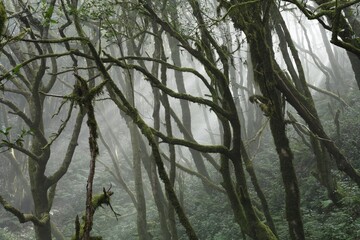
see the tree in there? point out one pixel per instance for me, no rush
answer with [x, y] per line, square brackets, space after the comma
[142, 59]
[343, 34]
[26, 83]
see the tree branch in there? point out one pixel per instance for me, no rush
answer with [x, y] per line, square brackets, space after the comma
[170, 66]
[23, 217]
[331, 94]
[156, 83]
[202, 148]
[21, 149]
[69, 152]
[196, 174]
[19, 66]
[24, 117]
[17, 111]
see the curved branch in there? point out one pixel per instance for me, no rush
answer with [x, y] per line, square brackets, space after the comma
[14, 80]
[14, 90]
[170, 66]
[53, 76]
[185, 44]
[25, 118]
[69, 152]
[21, 149]
[196, 174]
[189, 137]
[17, 67]
[17, 111]
[202, 148]
[23, 217]
[347, 46]
[323, 9]
[54, 40]
[156, 83]
[63, 124]
[331, 94]
[146, 131]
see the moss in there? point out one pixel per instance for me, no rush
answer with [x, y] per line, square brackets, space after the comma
[97, 201]
[3, 17]
[265, 232]
[101, 199]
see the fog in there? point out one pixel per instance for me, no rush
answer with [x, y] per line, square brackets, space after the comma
[179, 120]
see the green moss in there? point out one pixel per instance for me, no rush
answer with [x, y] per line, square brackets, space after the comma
[3, 17]
[97, 201]
[264, 232]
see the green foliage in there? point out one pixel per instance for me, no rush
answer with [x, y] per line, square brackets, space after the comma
[96, 10]
[350, 131]
[103, 11]
[17, 68]
[336, 224]
[322, 220]
[5, 131]
[211, 216]
[19, 140]
[47, 13]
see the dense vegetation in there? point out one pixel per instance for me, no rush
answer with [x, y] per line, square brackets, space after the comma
[179, 119]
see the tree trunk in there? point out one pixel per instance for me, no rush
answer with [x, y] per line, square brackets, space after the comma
[249, 20]
[39, 193]
[322, 157]
[185, 109]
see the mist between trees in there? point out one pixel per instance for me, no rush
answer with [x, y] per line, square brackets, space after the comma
[183, 119]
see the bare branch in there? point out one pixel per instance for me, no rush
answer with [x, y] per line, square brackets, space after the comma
[202, 148]
[156, 83]
[23, 217]
[170, 66]
[17, 67]
[21, 149]
[62, 126]
[69, 152]
[331, 94]
[194, 173]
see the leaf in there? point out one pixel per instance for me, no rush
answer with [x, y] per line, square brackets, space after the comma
[49, 12]
[16, 69]
[6, 131]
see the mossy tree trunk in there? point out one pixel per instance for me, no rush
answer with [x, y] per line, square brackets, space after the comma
[165, 208]
[169, 133]
[134, 46]
[185, 109]
[323, 159]
[141, 219]
[3, 17]
[253, 19]
[263, 74]
[238, 194]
